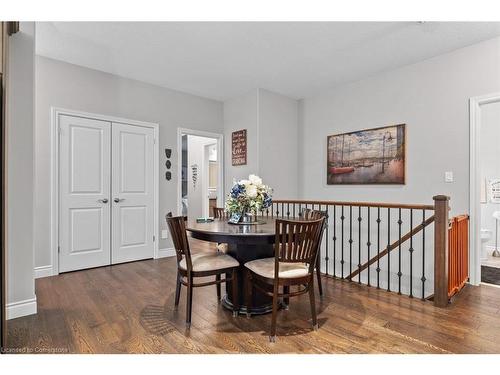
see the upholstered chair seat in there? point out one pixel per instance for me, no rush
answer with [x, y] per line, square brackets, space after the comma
[210, 262]
[222, 247]
[265, 268]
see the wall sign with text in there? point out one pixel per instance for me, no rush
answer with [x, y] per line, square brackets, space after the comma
[239, 147]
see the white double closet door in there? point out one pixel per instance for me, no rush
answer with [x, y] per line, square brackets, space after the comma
[106, 193]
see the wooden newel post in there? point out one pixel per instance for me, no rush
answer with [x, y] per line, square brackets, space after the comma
[441, 211]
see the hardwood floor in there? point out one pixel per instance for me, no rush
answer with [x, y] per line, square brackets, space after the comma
[128, 308]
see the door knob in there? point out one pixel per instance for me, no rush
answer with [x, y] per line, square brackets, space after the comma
[117, 200]
[105, 200]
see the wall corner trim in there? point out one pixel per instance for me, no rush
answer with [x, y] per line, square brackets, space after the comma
[21, 308]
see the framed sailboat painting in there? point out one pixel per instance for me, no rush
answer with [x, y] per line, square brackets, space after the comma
[372, 156]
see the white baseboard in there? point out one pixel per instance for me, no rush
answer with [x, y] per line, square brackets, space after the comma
[167, 252]
[21, 308]
[43, 271]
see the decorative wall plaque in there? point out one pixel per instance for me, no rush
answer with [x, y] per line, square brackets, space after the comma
[239, 147]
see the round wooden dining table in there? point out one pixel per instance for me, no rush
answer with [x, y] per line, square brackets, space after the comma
[246, 242]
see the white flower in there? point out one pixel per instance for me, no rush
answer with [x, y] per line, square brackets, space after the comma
[245, 182]
[256, 180]
[251, 191]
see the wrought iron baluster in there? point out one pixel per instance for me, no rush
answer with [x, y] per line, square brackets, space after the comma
[423, 255]
[388, 246]
[282, 210]
[359, 244]
[288, 210]
[342, 218]
[368, 244]
[300, 210]
[378, 247]
[295, 204]
[334, 240]
[350, 242]
[399, 249]
[411, 254]
[327, 239]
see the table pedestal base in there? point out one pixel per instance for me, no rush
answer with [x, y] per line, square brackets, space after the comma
[262, 303]
[263, 309]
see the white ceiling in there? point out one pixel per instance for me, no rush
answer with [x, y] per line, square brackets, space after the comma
[220, 60]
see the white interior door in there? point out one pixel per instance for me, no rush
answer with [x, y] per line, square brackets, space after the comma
[132, 192]
[84, 189]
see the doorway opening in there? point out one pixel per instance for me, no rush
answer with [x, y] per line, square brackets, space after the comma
[201, 170]
[485, 190]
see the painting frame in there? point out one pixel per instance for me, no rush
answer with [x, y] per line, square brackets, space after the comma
[401, 153]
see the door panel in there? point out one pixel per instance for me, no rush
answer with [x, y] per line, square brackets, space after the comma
[85, 217]
[85, 227]
[132, 192]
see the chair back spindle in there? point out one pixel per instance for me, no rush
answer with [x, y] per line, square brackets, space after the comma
[220, 213]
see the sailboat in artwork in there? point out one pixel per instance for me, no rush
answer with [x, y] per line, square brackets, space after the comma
[343, 168]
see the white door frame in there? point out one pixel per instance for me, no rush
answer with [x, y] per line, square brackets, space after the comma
[220, 159]
[55, 112]
[475, 104]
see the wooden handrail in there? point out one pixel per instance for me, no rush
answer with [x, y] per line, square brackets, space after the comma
[356, 204]
[438, 216]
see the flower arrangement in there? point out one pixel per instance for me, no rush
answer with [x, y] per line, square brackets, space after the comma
[249, 196]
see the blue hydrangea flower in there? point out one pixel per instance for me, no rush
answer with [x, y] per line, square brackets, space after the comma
[267, 201]
[237, 190]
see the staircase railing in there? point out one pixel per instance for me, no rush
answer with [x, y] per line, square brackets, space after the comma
[402, 248]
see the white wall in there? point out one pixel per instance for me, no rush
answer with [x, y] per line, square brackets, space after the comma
[197, 193]
[271, 121]
[73, 87]
[431, 97]
[21, 298]
[490, 162]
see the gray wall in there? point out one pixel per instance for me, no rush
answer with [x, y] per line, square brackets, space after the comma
[73, 87]
[431, 97]
[20, 170]
[278, 143]
[241, 113]
[271, 121]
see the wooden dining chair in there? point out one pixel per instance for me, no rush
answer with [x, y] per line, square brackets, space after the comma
[220, 213]
[191, 266]
[309, 214]
[295, 252]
